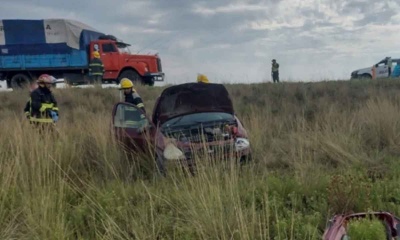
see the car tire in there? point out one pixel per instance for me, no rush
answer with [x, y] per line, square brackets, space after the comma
[246, 159]
[365, 76]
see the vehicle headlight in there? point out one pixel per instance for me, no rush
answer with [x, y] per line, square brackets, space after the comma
[171, 152]
[241, 144]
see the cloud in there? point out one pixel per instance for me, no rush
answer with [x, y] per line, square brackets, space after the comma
[311, 39]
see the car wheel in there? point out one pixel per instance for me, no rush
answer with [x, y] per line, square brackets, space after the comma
[365, 76]
[246, 159]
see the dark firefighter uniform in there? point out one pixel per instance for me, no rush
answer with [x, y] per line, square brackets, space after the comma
[42, 106]
[131, 95]
[96, 68]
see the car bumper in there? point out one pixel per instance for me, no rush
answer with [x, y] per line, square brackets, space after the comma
[157, 77]
[205, 153]
[354, 75]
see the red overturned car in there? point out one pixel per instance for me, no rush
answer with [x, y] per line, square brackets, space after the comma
[337, 227]
[188, 120]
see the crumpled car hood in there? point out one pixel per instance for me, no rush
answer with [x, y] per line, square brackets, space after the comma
[192, 98]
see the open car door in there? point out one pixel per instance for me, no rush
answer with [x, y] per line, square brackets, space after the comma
[132, 128]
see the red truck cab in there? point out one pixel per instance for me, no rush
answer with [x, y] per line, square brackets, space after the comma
[120, 63]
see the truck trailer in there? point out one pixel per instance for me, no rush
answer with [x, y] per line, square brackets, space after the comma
[63, 48]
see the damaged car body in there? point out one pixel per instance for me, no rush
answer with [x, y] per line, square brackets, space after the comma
[188, 120]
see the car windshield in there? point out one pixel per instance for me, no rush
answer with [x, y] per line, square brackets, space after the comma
[198, 118]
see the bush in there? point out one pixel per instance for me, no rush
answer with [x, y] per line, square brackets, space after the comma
[366, 229]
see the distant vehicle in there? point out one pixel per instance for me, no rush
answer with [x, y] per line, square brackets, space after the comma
[63, 48]
[381, 70]
[187, 119]
[337, 227]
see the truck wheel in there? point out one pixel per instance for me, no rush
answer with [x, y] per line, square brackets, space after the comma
[132, 75]
[20, 80]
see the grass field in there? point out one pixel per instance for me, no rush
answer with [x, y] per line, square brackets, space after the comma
[319, 149]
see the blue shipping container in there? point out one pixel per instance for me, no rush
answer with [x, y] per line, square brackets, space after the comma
[47, 43]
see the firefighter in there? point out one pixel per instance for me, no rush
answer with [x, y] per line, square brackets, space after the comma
[96, 68]
[201, 78]
[131, 95]
[42, 107]
[275, 71]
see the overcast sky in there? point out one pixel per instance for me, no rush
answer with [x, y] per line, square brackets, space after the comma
[234, 41]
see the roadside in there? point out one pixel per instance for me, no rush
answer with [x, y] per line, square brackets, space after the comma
[61, 85]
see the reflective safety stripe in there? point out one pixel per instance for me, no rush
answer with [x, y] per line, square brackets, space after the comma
[96, 65]
[46, 106]
[55, 108]
[135, 124]
[42, 120]
[98, 73]
[140, 105]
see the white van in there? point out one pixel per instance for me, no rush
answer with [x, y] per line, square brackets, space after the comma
[382, 70]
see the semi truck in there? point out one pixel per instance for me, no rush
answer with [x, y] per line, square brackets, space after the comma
[63, 48]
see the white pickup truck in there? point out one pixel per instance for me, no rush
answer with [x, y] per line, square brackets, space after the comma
[381, 71]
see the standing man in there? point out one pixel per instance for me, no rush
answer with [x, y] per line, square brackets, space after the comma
[275, 71]
[42, 107]
[131, 95]
[96, 68]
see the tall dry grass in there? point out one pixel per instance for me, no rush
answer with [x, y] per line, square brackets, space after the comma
[319, 149]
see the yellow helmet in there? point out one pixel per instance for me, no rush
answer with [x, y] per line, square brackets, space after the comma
[96, 54]
[202, 78]
[126, 83]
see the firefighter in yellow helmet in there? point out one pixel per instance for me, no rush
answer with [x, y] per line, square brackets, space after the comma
[201, 78]
[96, 68]
[131, 95]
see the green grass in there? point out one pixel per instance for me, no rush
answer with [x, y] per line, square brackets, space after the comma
[319, 149]
[366, 229]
